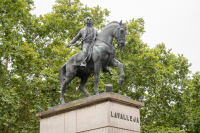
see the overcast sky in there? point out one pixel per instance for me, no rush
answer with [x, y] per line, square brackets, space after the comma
[176, 23]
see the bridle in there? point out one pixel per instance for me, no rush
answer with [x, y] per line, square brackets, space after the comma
[117, 31]
[117, 35]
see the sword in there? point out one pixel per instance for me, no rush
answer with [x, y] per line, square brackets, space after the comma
[87, 36]
[81, 41]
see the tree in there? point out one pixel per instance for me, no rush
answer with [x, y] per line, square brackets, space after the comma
[191, 105]
[155, 73]
[32, 52]
[17, 57]
[171, 97]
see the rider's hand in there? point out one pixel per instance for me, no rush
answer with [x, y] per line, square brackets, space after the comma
[68, 45]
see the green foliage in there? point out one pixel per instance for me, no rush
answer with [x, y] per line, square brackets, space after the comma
[162, 129]
[190, 115]
[158, 75]
[17, 58]
[32, 51]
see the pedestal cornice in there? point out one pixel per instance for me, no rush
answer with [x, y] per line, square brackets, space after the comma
[103, 97]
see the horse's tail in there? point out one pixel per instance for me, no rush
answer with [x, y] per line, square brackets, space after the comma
[68, 69]
[62, 73]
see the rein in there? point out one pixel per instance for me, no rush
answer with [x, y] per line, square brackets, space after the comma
[116, 32]
[118, 39]
[111, 56]
[106, 43]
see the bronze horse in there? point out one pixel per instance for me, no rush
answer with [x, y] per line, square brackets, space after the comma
[102, 55]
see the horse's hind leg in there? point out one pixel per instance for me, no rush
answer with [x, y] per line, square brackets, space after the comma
[64, 87]
[97, 70]
[84, 80]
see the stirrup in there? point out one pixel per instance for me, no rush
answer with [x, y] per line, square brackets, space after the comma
[83, 64]
[110, 72]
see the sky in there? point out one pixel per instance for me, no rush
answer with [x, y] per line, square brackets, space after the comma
[176, 23]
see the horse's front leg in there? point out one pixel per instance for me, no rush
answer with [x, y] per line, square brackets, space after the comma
[118, 64]
[97, 70]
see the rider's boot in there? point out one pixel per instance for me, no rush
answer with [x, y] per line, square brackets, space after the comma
[110, 71]
[107, 70]
[83, 64]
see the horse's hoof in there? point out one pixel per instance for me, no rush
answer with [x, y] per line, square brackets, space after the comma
[96, 93]
[87, 95]
[62, 102]
[120, 82]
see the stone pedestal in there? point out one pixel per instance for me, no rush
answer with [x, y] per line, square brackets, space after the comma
[105, 113]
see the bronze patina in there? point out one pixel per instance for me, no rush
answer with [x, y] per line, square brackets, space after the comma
[97, 53]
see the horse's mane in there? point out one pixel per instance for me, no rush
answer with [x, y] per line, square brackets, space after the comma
[110, 24]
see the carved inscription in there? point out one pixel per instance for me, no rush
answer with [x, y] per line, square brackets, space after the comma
[124, 117]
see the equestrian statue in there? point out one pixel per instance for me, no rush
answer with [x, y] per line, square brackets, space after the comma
[97, 52]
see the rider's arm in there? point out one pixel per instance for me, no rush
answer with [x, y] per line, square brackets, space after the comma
[75, 39]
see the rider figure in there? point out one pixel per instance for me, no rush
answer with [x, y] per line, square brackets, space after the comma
[88, 34]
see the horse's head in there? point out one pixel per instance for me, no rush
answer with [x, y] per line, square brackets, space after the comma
[120, 34]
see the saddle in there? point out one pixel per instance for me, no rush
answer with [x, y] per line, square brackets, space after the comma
[78, 56]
